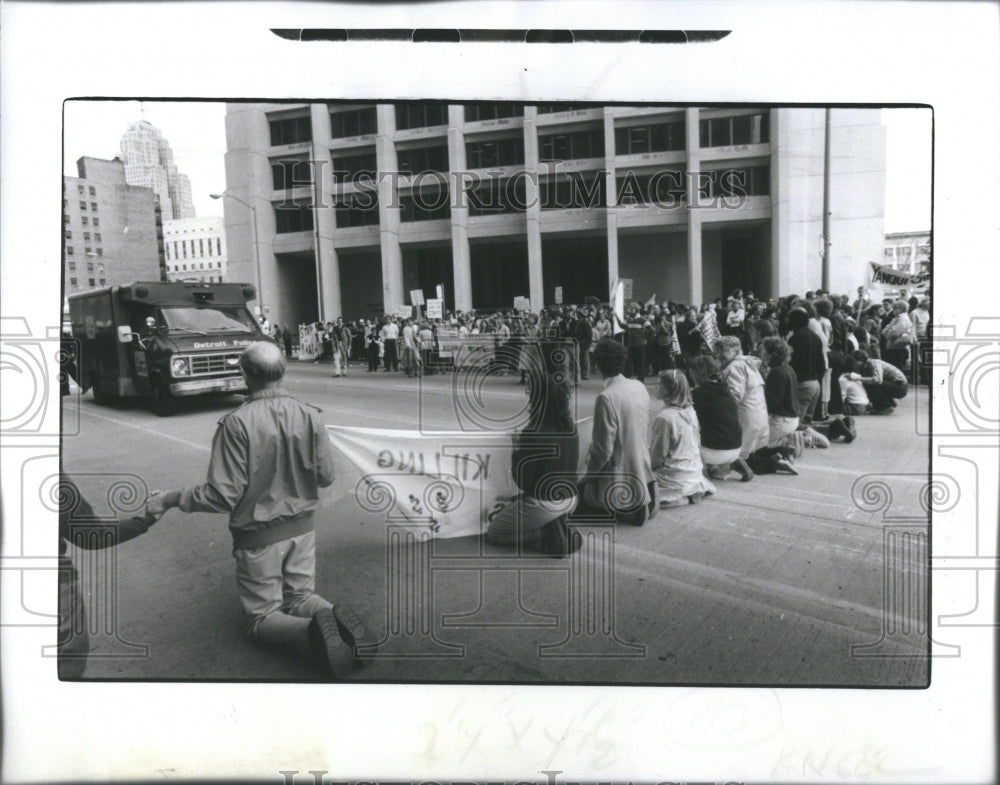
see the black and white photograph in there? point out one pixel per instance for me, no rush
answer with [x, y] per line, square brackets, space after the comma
[507, 410]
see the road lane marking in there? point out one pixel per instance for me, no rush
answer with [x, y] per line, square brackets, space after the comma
[204, 447]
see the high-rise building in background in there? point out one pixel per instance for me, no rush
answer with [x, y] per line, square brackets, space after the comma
[553, 202]
[196, 249]
[112, 232]
[149, 162]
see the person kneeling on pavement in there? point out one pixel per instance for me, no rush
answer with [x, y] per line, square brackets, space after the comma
[543, 466]
[269, 459]
[884, 382]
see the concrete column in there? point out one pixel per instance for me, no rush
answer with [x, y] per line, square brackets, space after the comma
[691, 127]
[324, 220]
[388, 208]
[612, 190]
[461, 258]
[536, 293]
[779, 203]
[248, 177]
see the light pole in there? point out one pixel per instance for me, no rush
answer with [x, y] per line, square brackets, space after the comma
[256, 250]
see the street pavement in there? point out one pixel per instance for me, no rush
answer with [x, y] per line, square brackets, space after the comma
[785, 581]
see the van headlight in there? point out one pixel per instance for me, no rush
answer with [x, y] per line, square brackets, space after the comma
[180, 366]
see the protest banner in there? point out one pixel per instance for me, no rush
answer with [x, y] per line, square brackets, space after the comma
[309, 343]
[448, 483]
[883, 275]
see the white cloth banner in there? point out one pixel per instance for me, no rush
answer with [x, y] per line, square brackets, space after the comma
[446, 482]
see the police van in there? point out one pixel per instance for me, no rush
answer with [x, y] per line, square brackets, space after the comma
[162, 340]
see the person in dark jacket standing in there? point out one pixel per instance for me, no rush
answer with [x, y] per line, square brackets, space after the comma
[807, 361]
[269, 459]
[721, 435]
[635, 340]
[584, 334]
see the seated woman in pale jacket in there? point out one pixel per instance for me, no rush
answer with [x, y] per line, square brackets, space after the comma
[740, 374]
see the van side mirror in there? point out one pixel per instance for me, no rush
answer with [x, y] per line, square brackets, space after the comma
[125, 334]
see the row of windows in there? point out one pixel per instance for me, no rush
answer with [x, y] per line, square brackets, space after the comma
[87, 250]
[71, 266]
[714, 132]
[90, 282]
[576, 190]
[86, 236]
[203, 279]
[202, 244]
[79, 189]
[83, 220]
[566, 146]
[201, 266]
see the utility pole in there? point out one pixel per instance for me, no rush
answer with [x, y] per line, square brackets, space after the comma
[826, 203]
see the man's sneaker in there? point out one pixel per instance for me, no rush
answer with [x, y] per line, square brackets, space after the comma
[354, 633]
[328, 647]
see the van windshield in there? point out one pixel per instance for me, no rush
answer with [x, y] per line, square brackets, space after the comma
[207, 319]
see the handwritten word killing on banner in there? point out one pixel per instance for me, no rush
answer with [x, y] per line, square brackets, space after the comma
[448, 483]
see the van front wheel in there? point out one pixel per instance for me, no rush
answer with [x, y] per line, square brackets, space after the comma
[164, 403]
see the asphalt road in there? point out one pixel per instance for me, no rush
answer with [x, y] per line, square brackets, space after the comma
[780, 581]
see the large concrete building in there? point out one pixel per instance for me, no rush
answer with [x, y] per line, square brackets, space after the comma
[908, 251]
[112, 232]
[498, 200]
[196, 249]
[149, 162]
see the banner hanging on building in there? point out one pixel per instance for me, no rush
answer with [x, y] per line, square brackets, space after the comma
[448, 483]
[883, 275]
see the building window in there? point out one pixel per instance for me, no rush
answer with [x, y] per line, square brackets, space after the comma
[573, 190]
[420, 114]
[90, 267]
[176, 255]
[86, 235]
[726, 131]
[427, 204]
[97, 237]
[65, 202]
[551, 108]
[97, 221]
[293, 130]
[79, 188]
[100, 251]
[218, 245]
[201, 266]
[219, 265]
[71, 266]
[83, 220]
[354, 122]
[356, 210]
[65, 219]
[423, 159]
[185, 267]
[293, 219]
[290, 172]
[347, 167]
[72, 282]
[83, 205]
[482, 110]
[664, 187]
[659, 138]
[184, 250]
[100, 269]
[566, 146]
[201, 247]
[87, 249]
[93, 205]
[735, 183]
[91, 282]
[497, 197]
[102, 281]
[93, 191]
[69, 250]
[68, 235]
[495, 152]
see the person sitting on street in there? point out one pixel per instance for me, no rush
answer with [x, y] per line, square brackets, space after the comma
[721, 435]
[674, 450]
